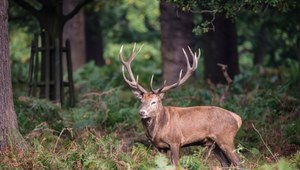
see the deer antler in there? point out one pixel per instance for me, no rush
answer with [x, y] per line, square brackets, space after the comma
[181, 80]
[126, 64]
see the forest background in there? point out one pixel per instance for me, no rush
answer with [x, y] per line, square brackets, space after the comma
[257, 40]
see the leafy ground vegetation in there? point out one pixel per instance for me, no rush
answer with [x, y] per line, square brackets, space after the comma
[104, 131]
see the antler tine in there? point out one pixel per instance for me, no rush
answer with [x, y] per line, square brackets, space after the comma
[195, 63]
[156, 91]
[126, 64]
[179, 78]
[188, 65]
[140, 88]
[189, 71]
[151, 83]
[131, 84]
[120, 55]
[132, 55]
[140, 49]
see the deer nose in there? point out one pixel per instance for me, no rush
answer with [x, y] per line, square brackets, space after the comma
[142, 113]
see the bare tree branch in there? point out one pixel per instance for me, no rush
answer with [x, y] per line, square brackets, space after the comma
[225, 73]
[204, 11]
[229, 82]
[76, 9]
[211, 21]
[27, 7]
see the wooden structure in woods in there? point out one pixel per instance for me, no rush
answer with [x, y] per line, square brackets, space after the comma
[46, 66]
[46, 70]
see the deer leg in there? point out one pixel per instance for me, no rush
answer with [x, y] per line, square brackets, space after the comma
[166, 152]
[174, 154]
[228, 150]
[225, 163]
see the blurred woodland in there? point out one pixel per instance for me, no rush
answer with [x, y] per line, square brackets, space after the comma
[64, 103]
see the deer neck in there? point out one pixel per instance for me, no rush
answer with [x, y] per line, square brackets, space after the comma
[154, 124]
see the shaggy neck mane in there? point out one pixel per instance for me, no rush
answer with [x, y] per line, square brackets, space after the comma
[154, 124]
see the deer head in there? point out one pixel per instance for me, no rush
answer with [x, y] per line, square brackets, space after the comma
[152, 101]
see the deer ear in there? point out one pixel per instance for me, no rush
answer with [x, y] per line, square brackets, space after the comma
[138, 94]
[161, 95]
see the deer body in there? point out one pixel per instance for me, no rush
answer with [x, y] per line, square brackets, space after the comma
[190, 125]
[170, 128]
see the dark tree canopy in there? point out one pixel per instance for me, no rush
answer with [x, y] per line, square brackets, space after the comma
[50, 13]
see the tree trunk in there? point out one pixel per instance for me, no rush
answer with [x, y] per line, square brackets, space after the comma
[94, 38]
[298, 55]
[74, 30]
[220, 46]
[176, 33]
[9, 133]
[261, 45]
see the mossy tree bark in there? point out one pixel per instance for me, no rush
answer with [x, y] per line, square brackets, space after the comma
[176, 33]
[9, 133]
[74, 31]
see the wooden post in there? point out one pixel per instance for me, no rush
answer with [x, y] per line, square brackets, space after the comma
[70, 74]
[35, 68]
[57, 73]
[47, 67]
[42, 64]
[31, 64]
[61, 71]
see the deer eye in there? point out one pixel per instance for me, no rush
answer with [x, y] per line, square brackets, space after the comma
[152, 103]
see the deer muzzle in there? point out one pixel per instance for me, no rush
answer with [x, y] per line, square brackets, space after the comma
[144, 114]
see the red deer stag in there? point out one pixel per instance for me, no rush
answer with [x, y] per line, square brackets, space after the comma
[170, 127]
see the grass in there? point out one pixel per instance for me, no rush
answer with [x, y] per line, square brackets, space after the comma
[104, 131]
